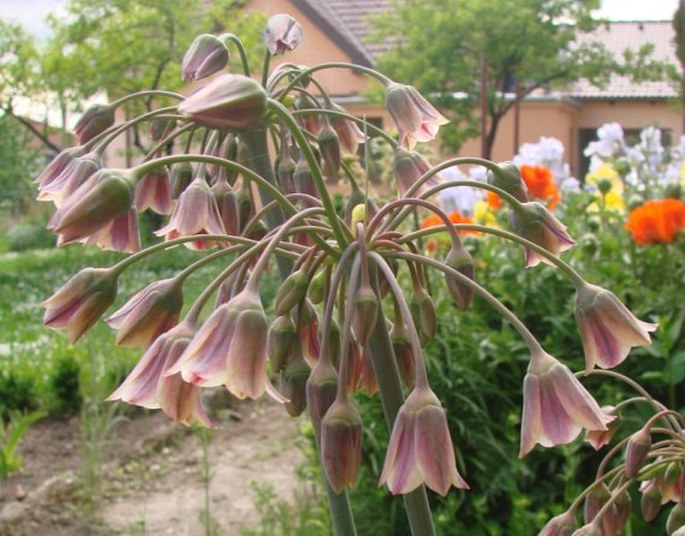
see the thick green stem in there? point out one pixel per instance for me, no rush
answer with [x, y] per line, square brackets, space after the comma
[390, 388]
[260, 162]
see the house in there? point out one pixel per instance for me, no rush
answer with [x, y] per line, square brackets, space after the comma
[336, 30]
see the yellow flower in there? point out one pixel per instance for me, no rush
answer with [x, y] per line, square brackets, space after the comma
[606, 172]
[483, 214]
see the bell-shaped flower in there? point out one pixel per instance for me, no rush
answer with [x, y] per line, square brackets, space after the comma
[148, 313]
[420, 449]
[408, 167]
[556, 406]
[227, 204]
[59, 186]
[81, 301]
[152, 191]
[560, 525]
[105, 196]
[94, 121]
[230, 349]
[121, 234]
[341, 444]
[282, 33]
[608, 329]
[195, 213]
[148, 386]
[322, 388]
[600, 438]
[58, 164]
[349, 133]
[416, 118]
[229, 101]
[206, 55]
[534, 222]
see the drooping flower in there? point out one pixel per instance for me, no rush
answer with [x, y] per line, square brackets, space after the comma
[540, 184]
[534, 222]
[148, 386]
[282, 33]
[121, 234]
[206, 55]
[349, 133]
[420, 449]
[229, 349]
[152, 191]
[416, 118]
[81, 301]
[560, 525]
[600, 438]
[195, 213]
[341, 431]
[230, 101]
[57, 187]
[148, 313]
[408, 167]
[94, 121]
[608, 329]
[657, 221]
[556, 406]
[105, 196]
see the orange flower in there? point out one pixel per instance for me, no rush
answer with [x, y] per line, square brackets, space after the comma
[456, 217]
[494, 200]
[431, 221]
[656, 221]
[541, 184]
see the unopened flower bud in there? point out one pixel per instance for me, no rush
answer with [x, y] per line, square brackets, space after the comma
[286, 172]
[329, 146]
[424, 315]
[245, 206]
[365, 314]
[206, 55]
[334, 342]
[294, 385]
[367, 381]
[308, 332]
[404, 354]
[604, 186]
[594, 501]
[230, 101]
[460, 260]
[408, 167]
[676, 518]
[227, 203]
[674, 470]
[94, 121]
[291, 292]
[322, 387]
[341, 430]
[282, 33]
[508, 178]
[349, 133]
[639, 445]
[650, 504]
[622, 514]
[560, 525]
[591, 529]
[303, 178]
[315, 293]
[105, 196]
[81, 301]
[280, 341]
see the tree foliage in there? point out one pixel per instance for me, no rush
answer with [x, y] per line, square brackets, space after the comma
[540, 43]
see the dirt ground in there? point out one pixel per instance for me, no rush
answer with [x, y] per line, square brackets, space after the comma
[152, 481]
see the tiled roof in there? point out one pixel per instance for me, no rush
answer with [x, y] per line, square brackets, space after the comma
[346, 21]
[620, 35]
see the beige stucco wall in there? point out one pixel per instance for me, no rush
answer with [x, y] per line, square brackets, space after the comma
[631, 114]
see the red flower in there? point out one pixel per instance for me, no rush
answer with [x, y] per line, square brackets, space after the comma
[656, 221]
[541, 184]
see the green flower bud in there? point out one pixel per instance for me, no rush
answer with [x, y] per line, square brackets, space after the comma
[294, 385]
[280, 341]
[292, 290]
[507, 177]
[316, 287]
[460, 260]
[365, 314]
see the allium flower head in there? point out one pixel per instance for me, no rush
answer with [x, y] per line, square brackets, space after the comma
[416, 118]
[282, 33]
[206, 55]
[148, 386]
[94, 121]
[81, 301]
[229, 349]
[195, 213]
[608, 329]
[534, 222]
[420, 449]
[148, 314]
[229, 101]
[556, 406]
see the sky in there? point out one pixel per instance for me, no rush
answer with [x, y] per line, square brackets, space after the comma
[31, 13]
